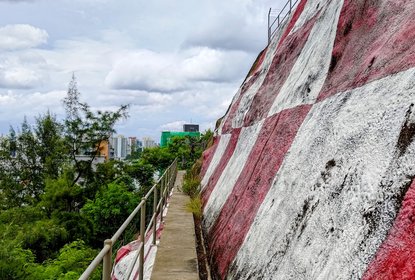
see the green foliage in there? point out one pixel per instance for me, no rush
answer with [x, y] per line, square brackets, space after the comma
[194, 206]
[109, 171]
[73, 259]
[191, 187]
[51, 147]
[109, 208]
[159, 157]
[30, 157]
[61, 195]
[43, 238]
[142, 172]
[15, 262]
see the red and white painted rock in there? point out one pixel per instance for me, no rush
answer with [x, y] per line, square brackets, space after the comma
[312, 173]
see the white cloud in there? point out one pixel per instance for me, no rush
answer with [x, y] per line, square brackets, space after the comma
[19, 77]
[164, 72]
[21, 36]
[145, 70]
[22, 70]
[14, 106]
[173, 126]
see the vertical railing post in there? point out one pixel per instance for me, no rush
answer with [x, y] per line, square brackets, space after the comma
[269, 27]
[161, 199]
[142, 237]
[155, 216]
[166, 188]
[291, 6]
[107, 267]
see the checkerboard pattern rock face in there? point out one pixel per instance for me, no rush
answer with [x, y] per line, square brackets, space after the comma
[311, 175]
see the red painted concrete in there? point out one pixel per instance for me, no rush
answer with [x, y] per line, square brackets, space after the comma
[281, 66]
[258, 62]
[237, 215]
[221, 166]
[374, 39]
[395, 258]
[298, 11]
[208, 155]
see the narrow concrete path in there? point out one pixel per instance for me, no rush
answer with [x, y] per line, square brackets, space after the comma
[176, 256]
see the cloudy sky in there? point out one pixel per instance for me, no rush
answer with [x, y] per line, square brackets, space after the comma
[172, 61]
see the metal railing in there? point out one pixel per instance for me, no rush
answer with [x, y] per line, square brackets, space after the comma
[280, 18]
[163, 186]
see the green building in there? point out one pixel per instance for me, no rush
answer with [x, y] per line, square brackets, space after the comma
[166, 136]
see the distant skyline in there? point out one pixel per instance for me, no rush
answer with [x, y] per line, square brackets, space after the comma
[174, 62]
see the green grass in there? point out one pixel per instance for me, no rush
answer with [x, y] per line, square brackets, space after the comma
[195, 206]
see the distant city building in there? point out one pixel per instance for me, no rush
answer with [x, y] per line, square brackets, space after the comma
[104, 149]
[148, 142]
[131, 145]
[139, 145]
[191, 128]
[118, 147]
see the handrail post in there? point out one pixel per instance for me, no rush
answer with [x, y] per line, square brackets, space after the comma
[142, 237]
[291, 6]
[155, 216]
[161, 199]
[166, 188]
[269, 27]
[106, 271]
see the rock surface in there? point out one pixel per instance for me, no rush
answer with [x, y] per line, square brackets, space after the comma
[311, 175]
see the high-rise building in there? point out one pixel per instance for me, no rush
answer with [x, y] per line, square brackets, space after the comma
[148, 142]
[131, 145]
[119, 145]
[139, 145]
[191, 128]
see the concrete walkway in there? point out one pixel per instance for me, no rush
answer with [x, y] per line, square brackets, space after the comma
[176, 256]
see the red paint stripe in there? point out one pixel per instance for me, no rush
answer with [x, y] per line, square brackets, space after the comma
[374, 39]
[298, 11]
[239, 211]
[208, 155]
[258, 62]
[395, 258]
[211, 184]
[281, 66]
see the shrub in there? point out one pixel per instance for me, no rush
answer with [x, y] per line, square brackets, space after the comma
[195, 206]
[191, 187]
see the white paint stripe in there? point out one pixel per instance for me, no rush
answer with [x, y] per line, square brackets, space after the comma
[220, 149]
[312, 222]
[310, 70]
[230, 174]
[227, 115]
[310, 10]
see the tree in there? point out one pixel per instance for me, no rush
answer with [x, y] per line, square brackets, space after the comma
[159, 157]
[28, 158]
[109, 209]
[51, 148]
[85, 130]
[72, 260]
[142, 172]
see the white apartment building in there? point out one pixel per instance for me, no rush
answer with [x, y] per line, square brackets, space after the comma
[148, 142]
